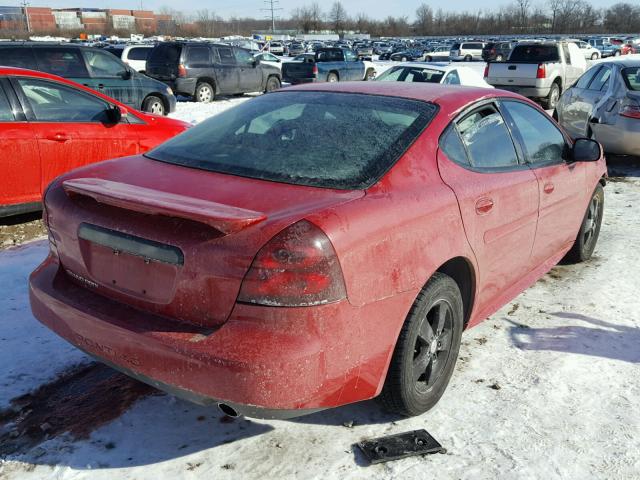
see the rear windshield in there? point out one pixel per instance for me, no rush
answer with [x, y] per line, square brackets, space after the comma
[535, 53]
[320, 139]
[455, 46]
[411, 74]
[166, 53]
[632, 78]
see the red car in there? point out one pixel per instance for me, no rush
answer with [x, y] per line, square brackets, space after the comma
[316, 246]
[49, 125]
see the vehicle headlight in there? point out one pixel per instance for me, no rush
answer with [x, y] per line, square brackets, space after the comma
[169, 91]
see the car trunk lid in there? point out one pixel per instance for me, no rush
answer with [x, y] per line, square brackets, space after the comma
[171, 240]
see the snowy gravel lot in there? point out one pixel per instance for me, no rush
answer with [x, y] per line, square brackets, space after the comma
[548, 387]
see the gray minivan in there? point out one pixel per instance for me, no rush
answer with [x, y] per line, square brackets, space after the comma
[94, 68]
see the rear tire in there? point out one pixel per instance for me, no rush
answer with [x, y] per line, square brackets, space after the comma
[499, 58]
[273, 84]
[205, 93]
[616, 53]
[468, 58]
[551, 101]
[587, 237]
[154, 105]
[427, 349]
[332, 77]
[594, 56]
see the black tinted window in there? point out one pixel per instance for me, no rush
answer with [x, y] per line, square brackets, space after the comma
[65, 62]
[333, 140]
[226, 55]
[452, 146]
[6, 114]
[116, 52]
[472, 46]
[197, 55]
[584, 80]
[535, 53]
[411, 74]
[455, 46]
[487, 139]
[138, 53]
[18, 57]
[52, 102]
[543, 142]
[166, 53]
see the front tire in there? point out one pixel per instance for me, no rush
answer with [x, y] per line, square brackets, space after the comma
[594, 56]
[273, 84]
[205, 93]
[587, 237]
[332, 78]
[552, 98]
[427, 349]
[154, 105]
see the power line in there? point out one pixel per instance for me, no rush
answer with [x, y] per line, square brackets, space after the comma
[272, 6]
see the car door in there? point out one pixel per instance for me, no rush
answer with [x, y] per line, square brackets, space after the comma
[573, 109]
[498, 198]
[20, 159]
[562, 184]
[355, 68]
[112, 77]
[227, 70]
[70, 126]
[250, 71]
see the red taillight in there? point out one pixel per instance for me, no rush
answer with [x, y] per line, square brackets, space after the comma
[486, 71]
[542, 71]
[182, 71]
[630, 111]
[298, 267]
[315, 70]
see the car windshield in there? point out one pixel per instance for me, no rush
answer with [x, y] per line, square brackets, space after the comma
[535, 53]
[631, 77]
[320, 139]
[411, 74]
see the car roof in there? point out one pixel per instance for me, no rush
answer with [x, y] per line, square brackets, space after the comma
[451, 97]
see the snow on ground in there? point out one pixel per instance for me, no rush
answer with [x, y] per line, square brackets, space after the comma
[548, 387]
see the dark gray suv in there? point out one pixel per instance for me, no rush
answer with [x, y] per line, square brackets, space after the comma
[203, 70]
[94, 68]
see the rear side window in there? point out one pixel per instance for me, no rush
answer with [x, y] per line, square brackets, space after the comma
[472, 46]
[452, 146]
[535, 53]
[601, 80]
[320, 139]
[65, 62]
[18, 57]
[166, 53]
[584, 80]
[197, 55]
[6, 114]
[631, 77]
[226, 55]
[487, 139]
[138, 53]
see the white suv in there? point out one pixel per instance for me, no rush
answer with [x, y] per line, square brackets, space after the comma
[466, 51]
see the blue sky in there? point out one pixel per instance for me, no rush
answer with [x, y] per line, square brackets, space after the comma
[252, 8]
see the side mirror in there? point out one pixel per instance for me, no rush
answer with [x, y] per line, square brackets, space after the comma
[126, 74]
[586, 150]
[115, 114]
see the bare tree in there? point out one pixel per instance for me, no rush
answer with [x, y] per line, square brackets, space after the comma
[337, 16]
[424, 19]
[316, 16]
[523, 11]
[206, 22]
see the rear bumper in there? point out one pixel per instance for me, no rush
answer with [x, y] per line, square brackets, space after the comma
[264, 361]
[529, 92]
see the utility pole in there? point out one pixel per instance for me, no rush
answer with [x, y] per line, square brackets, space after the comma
[25, 4]
[272, 6]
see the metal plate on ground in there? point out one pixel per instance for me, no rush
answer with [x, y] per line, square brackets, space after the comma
[402, 445]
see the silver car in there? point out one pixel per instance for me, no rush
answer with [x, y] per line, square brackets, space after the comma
[604, 104]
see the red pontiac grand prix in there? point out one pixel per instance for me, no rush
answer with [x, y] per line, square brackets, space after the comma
[316, 246]
[49, 125]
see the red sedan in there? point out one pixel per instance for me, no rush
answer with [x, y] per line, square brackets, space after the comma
[49, 125]
[316, 246]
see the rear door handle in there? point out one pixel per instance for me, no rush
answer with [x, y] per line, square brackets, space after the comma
[57, 137]
[484, 206]
[549, 187]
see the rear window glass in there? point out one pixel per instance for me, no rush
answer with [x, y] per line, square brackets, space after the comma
[411, 74]
[166, 53]
[455, 46]
[198, 55]
[115, 51]
[535, 53]
[631, 77]
[17, 57]
[138, 53]
[321, 139]
[65, 62]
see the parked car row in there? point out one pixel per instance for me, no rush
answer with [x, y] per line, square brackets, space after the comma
[328, 65]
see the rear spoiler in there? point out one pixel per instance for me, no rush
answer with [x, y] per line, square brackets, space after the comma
[225, 218]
